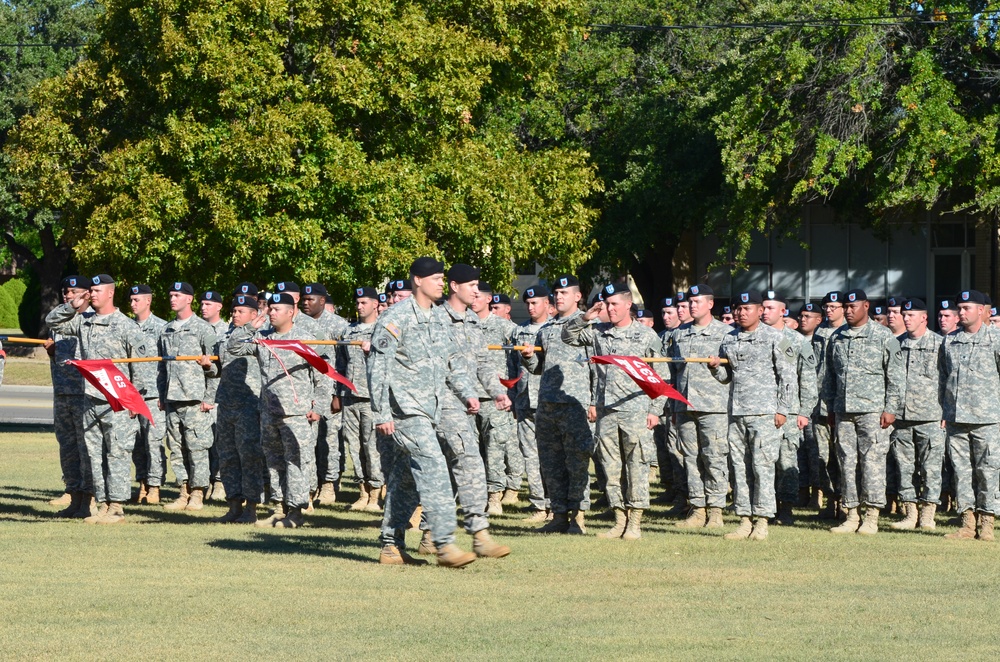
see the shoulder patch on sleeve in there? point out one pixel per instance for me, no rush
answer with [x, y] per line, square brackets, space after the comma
[383, 343]
[393, 329]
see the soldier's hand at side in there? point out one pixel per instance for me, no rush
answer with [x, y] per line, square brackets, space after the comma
[312, 417]
[713, 361]
[472, 405]
[592, 414]
[159, 405]
[386, 429]
[887, 419]
[944, 425]
[802, 422]
[779, 420]
[335, 405]
[207, 407]
[502, 402]
[652, 420]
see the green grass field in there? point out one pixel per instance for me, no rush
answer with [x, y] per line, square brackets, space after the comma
[174, 585]
[26, 372]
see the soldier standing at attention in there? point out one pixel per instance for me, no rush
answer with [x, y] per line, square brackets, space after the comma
[863, 388]
[500, 306]
[563, 431]
[187, 395]
[400, 289]
[810, 318]
[626, 416]
[104, 332]
[918, 439]
[947, 318]
[702, 429]
[683, 308]
[292, 396]
[408, 379]
[970, 386]
[826, 461]
[894, 315]
[761, 374]
[149, 455]
[210, 309]
[673, 477]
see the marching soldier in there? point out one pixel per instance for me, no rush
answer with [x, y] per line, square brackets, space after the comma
[149, 455]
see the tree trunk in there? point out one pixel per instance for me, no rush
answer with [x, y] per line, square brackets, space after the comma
[653, 273]
[49, 268]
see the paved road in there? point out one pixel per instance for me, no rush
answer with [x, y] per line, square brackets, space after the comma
[25, 405]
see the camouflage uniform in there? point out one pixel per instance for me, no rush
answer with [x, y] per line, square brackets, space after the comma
[285, 400]
[408, 380]
[149, 455]
[804, 394]
[221, 329]
[703, 429]
[357, 430]
[109, 436]
[824, 472]
[761, 374]
[564, 435]
[526, 404]
[328, 457]
[918, 440]
[970, 390]
[623, 438]
[237, 434]
[864, 377]
[183, 386]
[497, 429]
[669, 458]
[68, 407]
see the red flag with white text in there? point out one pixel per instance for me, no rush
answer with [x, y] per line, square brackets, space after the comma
[643, 375]
[311, 357]
[115, 386]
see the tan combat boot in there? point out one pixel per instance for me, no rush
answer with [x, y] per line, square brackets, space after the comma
[363, 497]
[140, 495]
[153, 495]
[218, 491]
[926, 519]
[849, 525]
[196, 500]
[327, 495]
[576, 524]
[88, 507]
[869, 526]
[373, 506]
[714, 519]
[537, 516]
[292, 520]
[415, 517]
[986, 527]
[484, 545]
[510, 498]
[309, 508]
[558, 524]
[101, 512]
[63, 500]
[277, 513]
[816, 500]
[493, 506]
[115, 515]
[426, 546]
[742, 532]
[74, 505]
[233, 514]
[182, 500]
[451, 556]
[633, 531]
[759, 529]
[621, 521]
[392, 555]
[968, 529]
[695, 520]
[909, 520]
[249, 514]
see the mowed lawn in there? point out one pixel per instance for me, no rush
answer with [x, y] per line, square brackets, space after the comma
[174, 585]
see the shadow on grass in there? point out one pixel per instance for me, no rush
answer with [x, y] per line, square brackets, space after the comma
[264, 543]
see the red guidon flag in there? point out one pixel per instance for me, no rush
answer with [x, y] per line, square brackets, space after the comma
[640, 372]
[509, 383]
[115, 386]
[311, 357]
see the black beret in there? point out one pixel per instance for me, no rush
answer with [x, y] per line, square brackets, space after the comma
[182, 287]
[895, 302]
[668, 302]
[700, 290]
[401, 285]
[76, 281]
[501, 298]
[833, 297]
[288, 286]
[727, 310]
[140, 289]
[566, 280]
[426, 266]
[633, 310]
[947, 304]
[786, 313]
[365, 293]
[987, 299]
[771, 295]
[315, 288]
[211, 295]
[878, 310]
[972, 296]
[485, 288]
[856, 295]
[281, 297]
[462, 273]
[383, 297]
[102, 279]
[810, 307]
[535, 292]
[645, 314]
[914, 304]
[612, 289]
[681, 297]
[245, 301]
[748, 297]
[246, 288]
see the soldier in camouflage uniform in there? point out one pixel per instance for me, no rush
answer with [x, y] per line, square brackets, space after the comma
[149, 455]
[408, 380]
[703, 428]
[761, 374]
[104, 332]
[863, 388]
[672, 475]
[918, 438]
[210, 309]
[625, 414]
[292, 395]
[823, 466]
[562, 428]
[241, 457]
[68, 406]
[513, 457]
[358, 427]
[803, 396]
[970, 390]
[187, 395]
[526, 399]
[497, 428]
